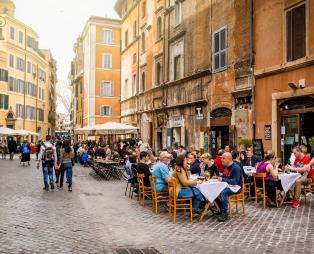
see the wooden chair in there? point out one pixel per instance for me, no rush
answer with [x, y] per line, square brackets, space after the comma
[237, 198]
[175, 203]
[158, 197]
[260, 190]
[247, 189]
[143, 191]
[307, 189]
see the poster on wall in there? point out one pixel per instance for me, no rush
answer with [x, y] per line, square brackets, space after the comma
[267, 132]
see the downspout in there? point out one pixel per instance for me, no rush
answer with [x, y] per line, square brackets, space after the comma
[252, 65]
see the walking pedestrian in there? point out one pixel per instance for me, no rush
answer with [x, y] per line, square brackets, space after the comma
[66, 163]
[48, 158]
[25, 153]
[58, 150]
[12, 147]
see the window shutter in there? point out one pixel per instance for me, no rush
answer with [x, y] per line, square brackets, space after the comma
[6, 102]
[299, 32]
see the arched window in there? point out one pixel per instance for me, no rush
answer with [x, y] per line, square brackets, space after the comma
[143, 82]
[159, 28]
[143, 41]
[158, 74]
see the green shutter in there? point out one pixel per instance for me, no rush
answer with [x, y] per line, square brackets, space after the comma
[6, 101]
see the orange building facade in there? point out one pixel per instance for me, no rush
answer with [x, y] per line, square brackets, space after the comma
[96, 73]
[284, 68]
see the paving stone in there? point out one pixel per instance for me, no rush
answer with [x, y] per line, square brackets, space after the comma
[97, 218]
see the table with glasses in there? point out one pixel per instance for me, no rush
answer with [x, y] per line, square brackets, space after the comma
[211, 189]
[287, 181]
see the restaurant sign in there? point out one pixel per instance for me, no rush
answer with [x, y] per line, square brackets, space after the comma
[176, 121]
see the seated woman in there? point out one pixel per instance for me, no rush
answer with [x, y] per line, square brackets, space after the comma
[271, 181]
[194, 164]
[185, 187]
[210, 166]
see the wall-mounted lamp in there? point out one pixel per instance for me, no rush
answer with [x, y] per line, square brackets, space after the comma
[292, 86]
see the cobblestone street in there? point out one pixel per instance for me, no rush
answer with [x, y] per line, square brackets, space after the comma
[97, 218]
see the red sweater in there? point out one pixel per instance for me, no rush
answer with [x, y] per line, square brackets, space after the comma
[218, 163]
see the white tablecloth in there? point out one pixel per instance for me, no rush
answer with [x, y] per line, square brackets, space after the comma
[249, 170]
[288, 180]
[213, 188]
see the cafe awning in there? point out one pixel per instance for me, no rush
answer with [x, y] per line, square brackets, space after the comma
[107, 129]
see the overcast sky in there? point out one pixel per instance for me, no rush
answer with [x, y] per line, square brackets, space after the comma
[59, 22]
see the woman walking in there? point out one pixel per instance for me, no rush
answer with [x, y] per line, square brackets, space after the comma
[66, 163]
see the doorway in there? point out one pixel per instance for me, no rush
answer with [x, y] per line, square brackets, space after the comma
[219, 138]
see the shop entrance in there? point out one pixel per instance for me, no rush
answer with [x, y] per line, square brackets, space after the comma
[297, 124]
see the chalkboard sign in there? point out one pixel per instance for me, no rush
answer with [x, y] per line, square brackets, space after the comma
[258, 148]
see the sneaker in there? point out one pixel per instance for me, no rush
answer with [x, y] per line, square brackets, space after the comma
[223, 217]
[295, 204]
[52, 185]
[70, 189]
[46, 188]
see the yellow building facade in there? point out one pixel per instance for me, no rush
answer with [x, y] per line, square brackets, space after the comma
[26, 90]
[95, 73]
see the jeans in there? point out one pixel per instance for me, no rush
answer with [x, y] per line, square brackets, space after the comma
[47, 173]
[224, 195]
[66, 167]
[191, 193]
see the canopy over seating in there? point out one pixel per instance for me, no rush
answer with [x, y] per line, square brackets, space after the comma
[6, 131]
[10, 132]
[107, 129]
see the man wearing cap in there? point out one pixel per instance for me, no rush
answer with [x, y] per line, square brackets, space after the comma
[161, 171]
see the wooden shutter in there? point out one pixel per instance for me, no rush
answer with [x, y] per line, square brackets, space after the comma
[299, 31]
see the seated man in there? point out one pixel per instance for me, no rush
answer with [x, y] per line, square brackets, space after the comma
[299, 165]
[232, 175]
[161, 171]
[251, 159]
[143, 168]
[194, 164]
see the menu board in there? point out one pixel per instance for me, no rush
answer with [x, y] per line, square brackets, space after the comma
[258, 148]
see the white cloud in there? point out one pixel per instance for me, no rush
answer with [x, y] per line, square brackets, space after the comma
[59, 22]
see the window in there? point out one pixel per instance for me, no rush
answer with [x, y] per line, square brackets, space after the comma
[159, 28]
[143, 9]
[126, 38]
[106, 111]
[220, 49]
[4, 101]
[296, 33]
[11, 61]
[143, 41]
[29, 67]
[107, 37]
[177, 67]
[42, 75]
[4, 75]
[19, 111]
[178, 12]
[34, 69]
[20, 64]
[32, 43]
[107, 61]
[30, 89]
[41, 115]
[134, 85]
[125, 88]
[12, 33]
[16, 85]
[134, 30]
[106, 89]
[134, 58]
[143, 82]
[30, 113]
[158, 74]
[21, 35]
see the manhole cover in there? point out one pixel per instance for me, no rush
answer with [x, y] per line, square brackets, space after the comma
[136, 251]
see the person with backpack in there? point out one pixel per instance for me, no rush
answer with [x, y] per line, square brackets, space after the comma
[66, 163]
[25, 153]
[48, 158]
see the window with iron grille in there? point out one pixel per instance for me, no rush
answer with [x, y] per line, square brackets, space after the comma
[296, 33]
[220, 49]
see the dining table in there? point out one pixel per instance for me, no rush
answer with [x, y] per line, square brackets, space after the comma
[287, 181]
[108, 169]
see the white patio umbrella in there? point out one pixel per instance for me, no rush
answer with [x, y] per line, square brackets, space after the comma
[24, 133]
[4, 131]
[108, 129]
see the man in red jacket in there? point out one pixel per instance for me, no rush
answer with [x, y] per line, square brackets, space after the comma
[218, 161]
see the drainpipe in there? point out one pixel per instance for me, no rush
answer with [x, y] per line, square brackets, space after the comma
[252, 64]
